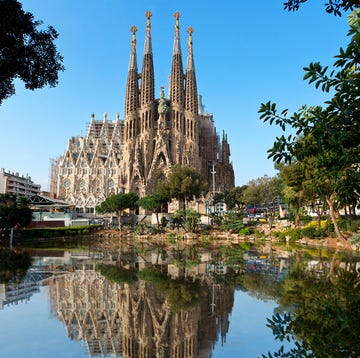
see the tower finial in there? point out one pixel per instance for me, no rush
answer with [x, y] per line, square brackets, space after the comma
[177, 27]
[190, 31]
[133, 29]
[148, 15]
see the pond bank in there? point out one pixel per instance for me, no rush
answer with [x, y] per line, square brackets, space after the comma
[110, 238]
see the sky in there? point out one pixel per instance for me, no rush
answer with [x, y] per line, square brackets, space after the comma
[246, 53]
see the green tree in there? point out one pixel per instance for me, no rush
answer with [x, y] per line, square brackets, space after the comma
[192, 219]
[232, 221]
[183, 183]
[154, 203]
[234, 198]
[14, 213]
[297, 194]
[26, 52]
[329, 147]
[332, 6]
[117, 203]
[264, 193]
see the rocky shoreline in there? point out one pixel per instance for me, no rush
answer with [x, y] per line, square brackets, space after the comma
[111, 238]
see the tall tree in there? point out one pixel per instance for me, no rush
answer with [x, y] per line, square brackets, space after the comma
[26, 52]
[332, 6]
[153, 203]
[183, 183]
[329, 148]
[295, 191]
[117, 203]
[234, 198]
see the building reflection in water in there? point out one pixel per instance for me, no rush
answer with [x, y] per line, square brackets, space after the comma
[136, 320]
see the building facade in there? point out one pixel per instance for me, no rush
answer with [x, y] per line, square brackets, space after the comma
[14, 183]
[136, 153]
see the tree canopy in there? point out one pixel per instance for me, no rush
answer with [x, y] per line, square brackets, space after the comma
[332, 6]
[326, 139]
[14, 212]
[26, 52]
[182, 183]
[234, 198]
[153, 203]
[117, 203]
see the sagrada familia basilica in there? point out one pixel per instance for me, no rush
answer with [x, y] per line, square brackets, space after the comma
[135, 153]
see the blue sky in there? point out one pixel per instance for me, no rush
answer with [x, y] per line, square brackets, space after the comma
[246, 53]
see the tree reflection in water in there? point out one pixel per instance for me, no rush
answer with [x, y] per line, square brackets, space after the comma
[319, 313]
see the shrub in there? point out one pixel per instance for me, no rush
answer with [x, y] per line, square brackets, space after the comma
[356, 240]
[348, 225]
[245, 231]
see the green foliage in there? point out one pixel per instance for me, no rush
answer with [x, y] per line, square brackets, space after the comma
[141, 229]
[348, 225]
[192, 219]
[356, 240]
[27, 52]
[57, 231]
[324, 317]
[332, 7]
[183, 294]
[182, 183]
[178, 218]
[259, 285]
[245, 231]
[154, 203]
[294, 234]
[117, 274]
[325, 140]
[14, 212]
[117, 203]
[152, 275]
[262, 191]
[233, 221]
[234, 198]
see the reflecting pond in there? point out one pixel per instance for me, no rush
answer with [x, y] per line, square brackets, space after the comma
[180, 301]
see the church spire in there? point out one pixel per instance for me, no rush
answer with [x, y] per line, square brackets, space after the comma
[191, 96]
[132, 87]
[177, 74]
[147, 92]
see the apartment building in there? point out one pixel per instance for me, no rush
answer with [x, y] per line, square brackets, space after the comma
[14, 183]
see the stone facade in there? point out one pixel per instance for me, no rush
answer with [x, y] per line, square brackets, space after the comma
[134, 154]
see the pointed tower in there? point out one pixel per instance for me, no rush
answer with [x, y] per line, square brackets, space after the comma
[191, 96]
[177, 74]
[147, 91]
[132, 90]
[191, 107]
[177, 96]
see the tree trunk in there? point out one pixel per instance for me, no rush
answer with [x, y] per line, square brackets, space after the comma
[11, 238]
[157, 219]
[318, 220]
[118, 214]
[338, 233]
[271, 221]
